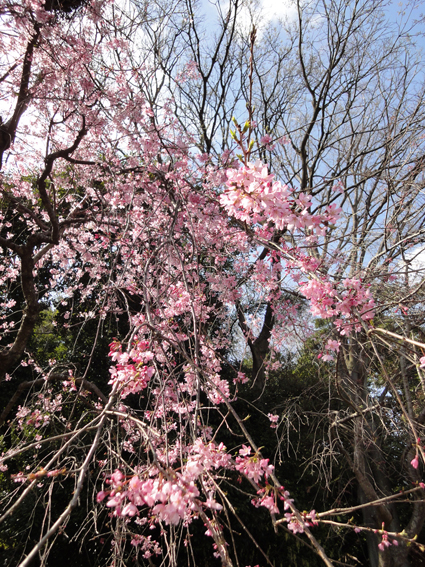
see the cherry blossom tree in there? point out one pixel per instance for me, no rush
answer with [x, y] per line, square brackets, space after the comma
[120, 211]
[338, 94]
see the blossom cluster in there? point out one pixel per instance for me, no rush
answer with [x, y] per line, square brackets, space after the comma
[269, 497]
[131, 371]
[41, 416]
[296, 526]
[346, 302]
[415, 461]
[172, 496]
[252, 467]
[170, 501]
[386, 542]
[253, 195]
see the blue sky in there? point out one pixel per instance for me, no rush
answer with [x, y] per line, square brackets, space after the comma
[405, 12]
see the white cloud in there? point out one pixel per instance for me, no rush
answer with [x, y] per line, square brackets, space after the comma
[260, 12]
[264, 13]
[273, 10]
